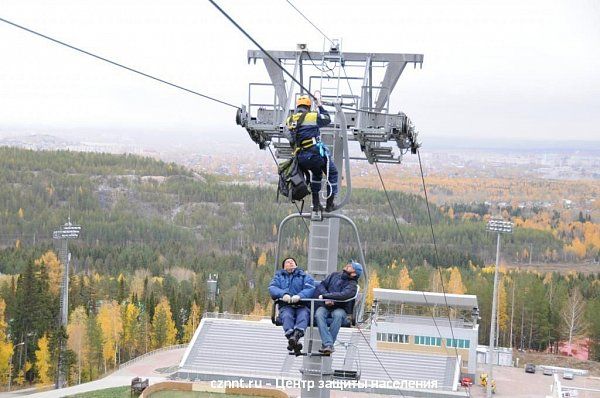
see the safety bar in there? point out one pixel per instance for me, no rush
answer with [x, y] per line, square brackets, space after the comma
[326, 215]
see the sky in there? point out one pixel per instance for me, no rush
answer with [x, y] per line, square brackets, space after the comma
[509, 69]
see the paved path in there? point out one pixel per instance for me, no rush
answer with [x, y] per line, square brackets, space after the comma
[145, 368]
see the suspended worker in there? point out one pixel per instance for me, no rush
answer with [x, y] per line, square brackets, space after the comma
[290, 286]
[313, 155]
[337, 287]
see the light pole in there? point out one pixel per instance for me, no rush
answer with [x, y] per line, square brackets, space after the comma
[64, 234]
[10, 365]
[499, 226]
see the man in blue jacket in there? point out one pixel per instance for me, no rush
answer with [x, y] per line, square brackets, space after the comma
[290, 285]
[341, 285]
[313, 155]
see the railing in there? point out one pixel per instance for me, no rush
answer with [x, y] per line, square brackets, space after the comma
[168, 348]
[236, 317]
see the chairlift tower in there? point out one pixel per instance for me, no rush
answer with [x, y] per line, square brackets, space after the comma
[67, 232]
[347, 83]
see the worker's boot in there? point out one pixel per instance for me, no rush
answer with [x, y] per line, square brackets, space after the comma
[330, 206]
[317, 209]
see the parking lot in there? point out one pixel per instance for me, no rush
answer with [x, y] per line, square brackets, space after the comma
[515, 383]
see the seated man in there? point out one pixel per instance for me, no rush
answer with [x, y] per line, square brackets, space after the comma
[290, 285]
[337, 286]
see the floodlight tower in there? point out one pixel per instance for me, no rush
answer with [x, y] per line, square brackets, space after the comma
[346, 82]
[499, 226]
[67, 232]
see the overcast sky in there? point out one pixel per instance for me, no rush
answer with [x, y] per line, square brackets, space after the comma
[496, 69]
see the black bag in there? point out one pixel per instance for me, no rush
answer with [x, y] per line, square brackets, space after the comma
[292, 182]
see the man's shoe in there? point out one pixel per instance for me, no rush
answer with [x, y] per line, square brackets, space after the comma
[330, 206]
[293, 344]
[291, 341]
[327, 350]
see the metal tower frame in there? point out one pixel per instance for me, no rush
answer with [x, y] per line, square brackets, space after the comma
[67, 232]
[362, 117]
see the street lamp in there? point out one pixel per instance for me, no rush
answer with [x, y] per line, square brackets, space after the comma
[64, 234]
[499, 226]
[10, 365]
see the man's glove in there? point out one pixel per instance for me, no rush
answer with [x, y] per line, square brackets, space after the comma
[321, 297]
[286, 298]
[295, 298]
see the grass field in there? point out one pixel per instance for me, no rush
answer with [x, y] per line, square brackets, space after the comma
[116, 392]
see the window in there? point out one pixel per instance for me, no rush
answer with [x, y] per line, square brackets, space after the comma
[458, 343]
[428, 340]
[392, 338]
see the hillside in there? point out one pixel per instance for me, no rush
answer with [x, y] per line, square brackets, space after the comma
[153, 231]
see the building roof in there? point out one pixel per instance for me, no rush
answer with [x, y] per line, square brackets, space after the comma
[468, 301]
[258, 349]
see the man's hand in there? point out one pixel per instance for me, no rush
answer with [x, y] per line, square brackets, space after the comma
[295, 298]
[329, 303]
[287, 298]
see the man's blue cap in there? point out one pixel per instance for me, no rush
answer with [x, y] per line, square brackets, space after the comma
[358, 268]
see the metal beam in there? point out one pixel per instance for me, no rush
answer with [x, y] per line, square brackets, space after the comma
[392, 74]
[276, 75]
[347, 57]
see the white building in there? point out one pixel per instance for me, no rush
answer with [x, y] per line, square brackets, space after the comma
[418, 322]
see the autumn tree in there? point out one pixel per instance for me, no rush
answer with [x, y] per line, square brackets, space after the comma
[192, 323]
[111, 324]
[77, 331]
[262, 259]
[6, 347]
[131, 329]
[43, 361]
[373, 283]
[164, 332]
[54, 269]
[404, 281]
[455, 285]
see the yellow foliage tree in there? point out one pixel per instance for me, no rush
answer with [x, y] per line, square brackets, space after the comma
[404, 282]
[77, 331]
[435, 281]
[111, 324]
[131, 327]
[262, 259]
[54, 268]
[455, 285]
[192, 323]
[164, 332]
[21, 213]
[577, 248]
[6, 347]
[42, 361]
[373, 283]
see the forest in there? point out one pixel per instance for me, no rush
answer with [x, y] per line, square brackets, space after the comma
[152, 232]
